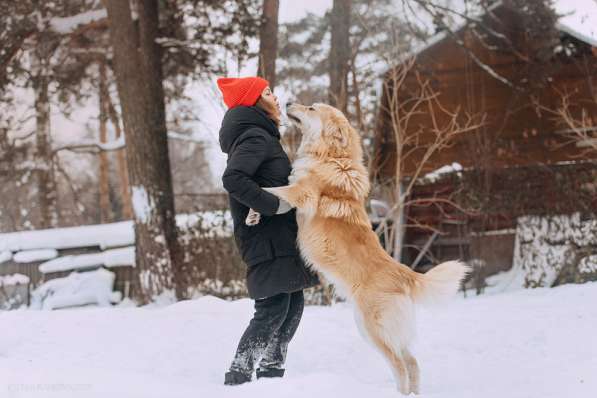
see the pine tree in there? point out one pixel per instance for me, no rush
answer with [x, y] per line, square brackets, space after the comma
[378, 38]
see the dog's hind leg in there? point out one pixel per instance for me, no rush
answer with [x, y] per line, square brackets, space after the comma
[375, 333]
[413, 370]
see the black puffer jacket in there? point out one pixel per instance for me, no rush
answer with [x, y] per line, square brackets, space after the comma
[256, 159]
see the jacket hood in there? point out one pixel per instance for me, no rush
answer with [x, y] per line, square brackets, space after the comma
[240, 119]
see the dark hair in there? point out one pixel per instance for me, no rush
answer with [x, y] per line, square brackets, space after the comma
[268, 109]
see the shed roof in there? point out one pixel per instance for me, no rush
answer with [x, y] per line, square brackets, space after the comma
[578, 20]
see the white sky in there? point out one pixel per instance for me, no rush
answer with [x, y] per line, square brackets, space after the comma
[291, 10]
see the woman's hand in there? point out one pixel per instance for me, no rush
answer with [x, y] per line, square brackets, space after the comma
[253, 218]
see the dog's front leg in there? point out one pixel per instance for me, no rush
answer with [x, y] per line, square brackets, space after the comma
[298, 195]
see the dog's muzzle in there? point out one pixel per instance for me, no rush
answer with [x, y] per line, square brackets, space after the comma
[294, 118]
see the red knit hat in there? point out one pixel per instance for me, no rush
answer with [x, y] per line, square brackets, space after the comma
[241, 91]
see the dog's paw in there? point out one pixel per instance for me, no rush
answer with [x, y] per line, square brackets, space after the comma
[253, 218]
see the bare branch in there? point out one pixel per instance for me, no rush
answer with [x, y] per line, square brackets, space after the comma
[96, 146]
[409, 95]
[581, 127]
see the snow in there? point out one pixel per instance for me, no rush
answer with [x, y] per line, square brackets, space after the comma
[113, 145]
[102, 235]
[5, 255]
[423, 20]
[545, 244]
[579, 19]
[30, 256]
[213, 223]
[379, 210]
[588, 264]
[142, 204]
[69, 24]
[76, 289]
[442, 171]
[531, 343]
[14, 279]
[109, 258]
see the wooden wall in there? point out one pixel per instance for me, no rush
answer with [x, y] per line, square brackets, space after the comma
[510, 193]
[515, 131]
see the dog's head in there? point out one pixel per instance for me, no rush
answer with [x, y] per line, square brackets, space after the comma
[326, 131]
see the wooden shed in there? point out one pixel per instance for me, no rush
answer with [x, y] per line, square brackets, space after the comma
[514, 74]
[211, 263]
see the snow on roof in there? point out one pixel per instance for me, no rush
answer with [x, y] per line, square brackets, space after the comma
[438, 173]
[108, 258]
[5, 256]
[14, 279]
[438, 37]
[104, 235]
[577, 34]
[30, 256]
[578, 19]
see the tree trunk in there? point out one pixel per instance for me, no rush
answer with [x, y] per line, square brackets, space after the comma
[104, 184]
[357, 98]
[268, 41]
[399, 226]
[340, 54]
[46, 195]
[123, 175]
[139, 82]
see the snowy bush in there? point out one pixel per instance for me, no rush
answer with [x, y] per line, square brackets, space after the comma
[213, 266]
[236, 289]
[229, 290]
[211, 263]
[323, 294]
[14, 291]
[551, 250]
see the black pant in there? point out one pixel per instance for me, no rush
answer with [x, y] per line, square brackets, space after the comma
[273, 325]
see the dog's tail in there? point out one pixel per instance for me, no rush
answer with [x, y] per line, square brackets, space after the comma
[440, 283]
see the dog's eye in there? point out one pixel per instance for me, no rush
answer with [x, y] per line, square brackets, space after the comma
[311, 108]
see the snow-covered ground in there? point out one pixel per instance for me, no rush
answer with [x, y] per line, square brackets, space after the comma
[530, 343]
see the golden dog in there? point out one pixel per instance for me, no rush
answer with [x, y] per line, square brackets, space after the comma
[328, 186]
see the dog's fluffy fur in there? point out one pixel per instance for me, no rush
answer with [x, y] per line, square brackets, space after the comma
[328, 187]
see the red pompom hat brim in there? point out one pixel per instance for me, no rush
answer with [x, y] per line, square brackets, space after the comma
[241, 91]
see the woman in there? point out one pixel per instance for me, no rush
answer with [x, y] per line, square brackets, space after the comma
[276, 274]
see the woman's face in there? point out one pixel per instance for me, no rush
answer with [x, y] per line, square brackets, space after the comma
[271, 102]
